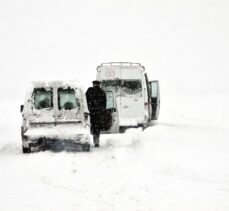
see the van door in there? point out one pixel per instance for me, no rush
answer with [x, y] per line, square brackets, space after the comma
[132, 102]
[42, 106]
[110, 117]
[155, 99]
[68, 105]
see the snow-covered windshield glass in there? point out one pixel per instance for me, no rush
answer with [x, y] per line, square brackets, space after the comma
[42, 98]
[67, 99]
[131, 87]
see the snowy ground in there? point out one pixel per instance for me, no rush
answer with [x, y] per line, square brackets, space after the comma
[180, 163]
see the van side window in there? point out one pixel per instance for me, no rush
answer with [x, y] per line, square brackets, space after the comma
[110, 100]
[154, 90]
[67, 99]
[43, 98]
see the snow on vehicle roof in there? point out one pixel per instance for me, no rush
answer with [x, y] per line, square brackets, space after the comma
[75, 84]
[123, 65]
[56, 83]
[53, 84]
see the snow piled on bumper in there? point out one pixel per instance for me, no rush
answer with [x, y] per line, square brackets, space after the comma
[59, 132]
[124, 122]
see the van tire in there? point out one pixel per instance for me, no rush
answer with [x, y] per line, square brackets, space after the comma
[86, 147]
[26, 150]
[144, 126]
[122, 129]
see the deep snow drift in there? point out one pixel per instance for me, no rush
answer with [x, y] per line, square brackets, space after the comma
[180, 163]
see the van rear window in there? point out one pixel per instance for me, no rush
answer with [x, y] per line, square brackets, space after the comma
[67, 99]
[131, 87]
[111, 83]
[43, 98]
[127, 87]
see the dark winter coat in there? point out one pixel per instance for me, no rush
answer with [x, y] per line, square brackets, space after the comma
[96, 101]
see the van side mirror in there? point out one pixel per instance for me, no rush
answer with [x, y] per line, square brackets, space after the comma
[21, 108]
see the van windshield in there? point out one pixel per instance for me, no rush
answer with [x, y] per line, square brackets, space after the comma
[127, 87]
[67, 99]
[42, 98]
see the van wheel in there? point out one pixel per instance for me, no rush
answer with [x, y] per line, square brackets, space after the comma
[26, 149]
[122, 129]
[86, 147]
[144, 126]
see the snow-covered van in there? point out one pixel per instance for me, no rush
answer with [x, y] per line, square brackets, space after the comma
[137, 98]
[55, 115]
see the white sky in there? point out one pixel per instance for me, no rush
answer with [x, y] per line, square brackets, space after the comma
[184, 44]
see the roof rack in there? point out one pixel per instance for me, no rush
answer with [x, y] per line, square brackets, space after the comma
[120, 64]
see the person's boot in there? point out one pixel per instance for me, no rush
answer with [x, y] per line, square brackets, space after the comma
[96, 140]
[97, 145]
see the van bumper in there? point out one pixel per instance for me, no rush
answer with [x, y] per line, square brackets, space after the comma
[127, 122]
[58, 145]
[57, 138]
[82, 143]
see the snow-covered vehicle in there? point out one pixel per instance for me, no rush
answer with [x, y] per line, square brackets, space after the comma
[137, 98]
[55, 115]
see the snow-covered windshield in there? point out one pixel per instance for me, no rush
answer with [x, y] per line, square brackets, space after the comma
[42, 98]
[67, 99]
[128, 87]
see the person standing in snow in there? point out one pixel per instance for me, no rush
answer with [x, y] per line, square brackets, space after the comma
[96, 101]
